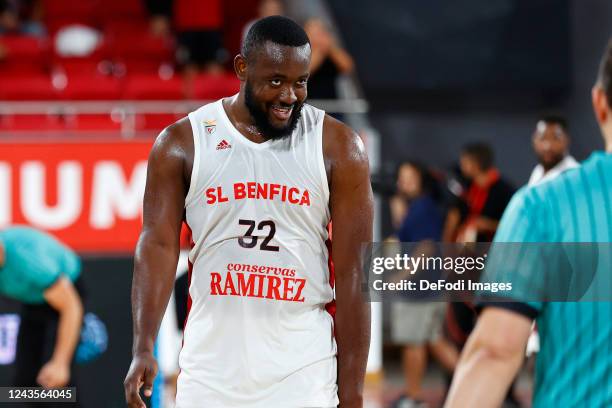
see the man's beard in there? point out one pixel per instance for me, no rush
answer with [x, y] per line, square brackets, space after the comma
[549, 164]
[262, 122]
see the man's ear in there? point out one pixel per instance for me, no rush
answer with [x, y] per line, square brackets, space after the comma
[600, 104]
[240, 67]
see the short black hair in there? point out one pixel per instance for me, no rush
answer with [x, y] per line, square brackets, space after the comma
[604, 77]
[481, 153]
[277, 29]
[554, 118]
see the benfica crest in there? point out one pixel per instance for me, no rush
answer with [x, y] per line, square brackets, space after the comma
[210, 126]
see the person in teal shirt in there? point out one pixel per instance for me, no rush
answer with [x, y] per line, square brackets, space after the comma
[42, 273]
[574, 366]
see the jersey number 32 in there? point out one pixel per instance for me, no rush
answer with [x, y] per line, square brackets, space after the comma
[248, 240]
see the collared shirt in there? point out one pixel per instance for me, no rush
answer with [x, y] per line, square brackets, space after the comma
[538, 175]
[574, 366]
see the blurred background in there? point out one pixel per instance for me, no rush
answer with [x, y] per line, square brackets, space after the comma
[85, 86]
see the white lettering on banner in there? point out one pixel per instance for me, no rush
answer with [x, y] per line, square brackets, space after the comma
[112, 196]
[69, 195]
[9, 328]
[5, 194]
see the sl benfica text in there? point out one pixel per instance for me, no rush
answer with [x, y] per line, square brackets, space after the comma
[258, 281]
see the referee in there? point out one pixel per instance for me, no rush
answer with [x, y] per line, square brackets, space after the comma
[42, 273]
[574, 366]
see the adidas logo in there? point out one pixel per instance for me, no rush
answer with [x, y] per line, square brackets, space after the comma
[223, 145]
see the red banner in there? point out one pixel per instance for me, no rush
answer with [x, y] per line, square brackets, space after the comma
[89, 194]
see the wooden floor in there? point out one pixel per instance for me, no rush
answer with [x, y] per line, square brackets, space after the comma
[389, 387]
[385, 392]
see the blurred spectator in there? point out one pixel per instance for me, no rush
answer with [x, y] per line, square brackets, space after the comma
[475, 219]
[199, 24]
[328, 61]
[551, 146]
[266, 8]
[21, 17]
[43, 274]
[414, 210]
[161, 14]
[418, 325]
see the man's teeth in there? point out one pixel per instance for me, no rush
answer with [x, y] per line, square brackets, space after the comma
[283, 109]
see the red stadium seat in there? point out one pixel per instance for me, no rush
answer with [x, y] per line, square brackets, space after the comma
[189, 15]
[34, 87]
[82, 66]
[20, 68]
[53, 26]
[151, 86]
[32, 122]
[138, 67]
[93, 87]
[124, 28]
[94, 122]
[117, 9]
[156, 121]
[208, 86]
[69, 10]
[25, 49]
[52, 122]
[236, 15]
[140, 45]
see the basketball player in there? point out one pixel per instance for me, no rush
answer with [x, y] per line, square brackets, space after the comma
[574, 366]
[258, 177]
[42, 274]
[551, 146]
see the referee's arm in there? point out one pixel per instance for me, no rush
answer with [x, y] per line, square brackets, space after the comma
[496, 348]
[491, 358]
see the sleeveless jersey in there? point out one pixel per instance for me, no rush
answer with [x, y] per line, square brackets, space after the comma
[258, 333]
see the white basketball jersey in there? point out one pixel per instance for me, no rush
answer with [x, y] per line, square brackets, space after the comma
[258, 332]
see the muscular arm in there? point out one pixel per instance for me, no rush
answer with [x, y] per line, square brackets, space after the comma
[157, 250]
[490, 360]
[351, 211]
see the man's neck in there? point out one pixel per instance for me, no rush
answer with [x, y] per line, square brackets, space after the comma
[549, 168]
[241, 118]
[238, 110]
[482, 178]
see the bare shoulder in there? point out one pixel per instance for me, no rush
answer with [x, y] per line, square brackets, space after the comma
[176, 139]
[174, 145]
[341, 145]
